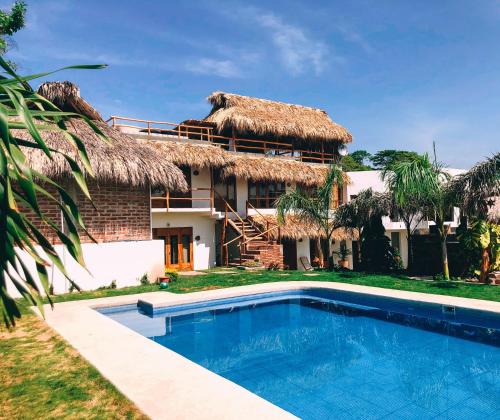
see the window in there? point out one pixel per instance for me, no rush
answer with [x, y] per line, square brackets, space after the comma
[395, 240]
[263, 194]
[340, 196]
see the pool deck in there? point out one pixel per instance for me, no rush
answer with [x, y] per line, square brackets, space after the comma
[166, 385]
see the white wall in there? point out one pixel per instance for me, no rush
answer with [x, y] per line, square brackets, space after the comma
[124, 261]
[203, 226]
[202, 180]
[303, 251]
[241, 195]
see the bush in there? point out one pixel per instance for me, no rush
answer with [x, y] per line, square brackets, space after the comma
[144, 280]
[172, 275]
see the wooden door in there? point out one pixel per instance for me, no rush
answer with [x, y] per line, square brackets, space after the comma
[178, 247]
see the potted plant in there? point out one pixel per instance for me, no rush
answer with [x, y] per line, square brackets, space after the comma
[343, 253]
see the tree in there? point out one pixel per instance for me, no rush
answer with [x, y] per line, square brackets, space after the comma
[388, 158]
[410, 212]
[360, 156]
[474, 192]
[354, 161]
[422, 182]
[358, 214]
[317, 207]
[21, 187]
[10, 23]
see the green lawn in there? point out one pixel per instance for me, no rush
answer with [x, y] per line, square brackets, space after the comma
[41, 376]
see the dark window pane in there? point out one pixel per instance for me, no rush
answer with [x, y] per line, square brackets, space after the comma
[186, 242]
[174, 249]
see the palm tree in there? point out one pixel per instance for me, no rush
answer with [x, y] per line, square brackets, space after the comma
[21, 187]
[359, 213]
[317, 207]
[474, 192]
[420, 181]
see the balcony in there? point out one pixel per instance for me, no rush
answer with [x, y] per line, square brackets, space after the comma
[195, 200]
[184, 132]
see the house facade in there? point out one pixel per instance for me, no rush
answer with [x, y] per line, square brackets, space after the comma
[237, 162]
[395, 229]
[122, 248]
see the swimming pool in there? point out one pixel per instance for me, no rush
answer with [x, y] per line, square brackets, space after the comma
[331, 354]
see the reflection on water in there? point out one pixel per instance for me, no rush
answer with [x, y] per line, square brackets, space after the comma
[322, 364]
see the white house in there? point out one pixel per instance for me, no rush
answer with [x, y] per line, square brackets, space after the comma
[394, 228]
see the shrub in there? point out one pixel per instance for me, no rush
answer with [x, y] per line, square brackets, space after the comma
[171, 274]
[144, 280]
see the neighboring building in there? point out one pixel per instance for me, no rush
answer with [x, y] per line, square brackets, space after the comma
[120, 217]
[395, 228]
[237, 161]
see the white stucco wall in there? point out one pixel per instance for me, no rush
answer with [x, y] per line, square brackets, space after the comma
[203, 226]
[303, 251]
[241, 195]
[124, 261]
[202, 180]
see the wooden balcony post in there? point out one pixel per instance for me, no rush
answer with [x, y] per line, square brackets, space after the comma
[168, 200]
[149, 128]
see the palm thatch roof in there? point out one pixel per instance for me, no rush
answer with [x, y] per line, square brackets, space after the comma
[192, 154]
[296, 228]
[261, 117]
[66, 96]
[277, 169]
[123, 160]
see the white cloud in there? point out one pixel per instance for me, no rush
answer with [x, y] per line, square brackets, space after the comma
[355, 37]
[299, 52]
[212, 67]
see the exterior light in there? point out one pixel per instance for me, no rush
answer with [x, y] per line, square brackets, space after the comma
[342, 150]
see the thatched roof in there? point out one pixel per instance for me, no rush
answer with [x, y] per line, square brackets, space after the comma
[192, 154]
[277, 169]
[296, 228]
[261, 117]
[66, 96]
[124, 160]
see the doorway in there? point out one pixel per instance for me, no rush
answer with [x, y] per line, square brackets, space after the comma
[289, 254]
[178, 247]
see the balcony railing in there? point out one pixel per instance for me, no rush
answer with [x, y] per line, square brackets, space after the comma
[186, 200]
[183, 132]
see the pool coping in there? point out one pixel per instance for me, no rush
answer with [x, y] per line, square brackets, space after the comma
[171, 386]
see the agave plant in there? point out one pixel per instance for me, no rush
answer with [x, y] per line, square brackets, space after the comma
[21, 187]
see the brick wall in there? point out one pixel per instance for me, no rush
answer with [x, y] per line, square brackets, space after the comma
[120, 213]
[271, 256]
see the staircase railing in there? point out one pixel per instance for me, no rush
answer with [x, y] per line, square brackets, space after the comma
[224, 245]
[268, 229]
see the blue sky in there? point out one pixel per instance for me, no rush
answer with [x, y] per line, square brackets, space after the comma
[398, 74]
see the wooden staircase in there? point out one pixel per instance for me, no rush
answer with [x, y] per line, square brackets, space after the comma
[253, 241]
[255, 244]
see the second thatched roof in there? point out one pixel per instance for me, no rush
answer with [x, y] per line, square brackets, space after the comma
[192, 154]
[256, 168]
[123, 160]
[296, 228]
[261, 117]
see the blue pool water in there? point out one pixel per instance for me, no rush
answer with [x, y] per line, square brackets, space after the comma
[320, 358]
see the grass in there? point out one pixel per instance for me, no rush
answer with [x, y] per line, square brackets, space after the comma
[216, 280]
[41, 376]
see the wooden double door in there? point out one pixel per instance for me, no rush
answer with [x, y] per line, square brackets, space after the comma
[178, 247]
